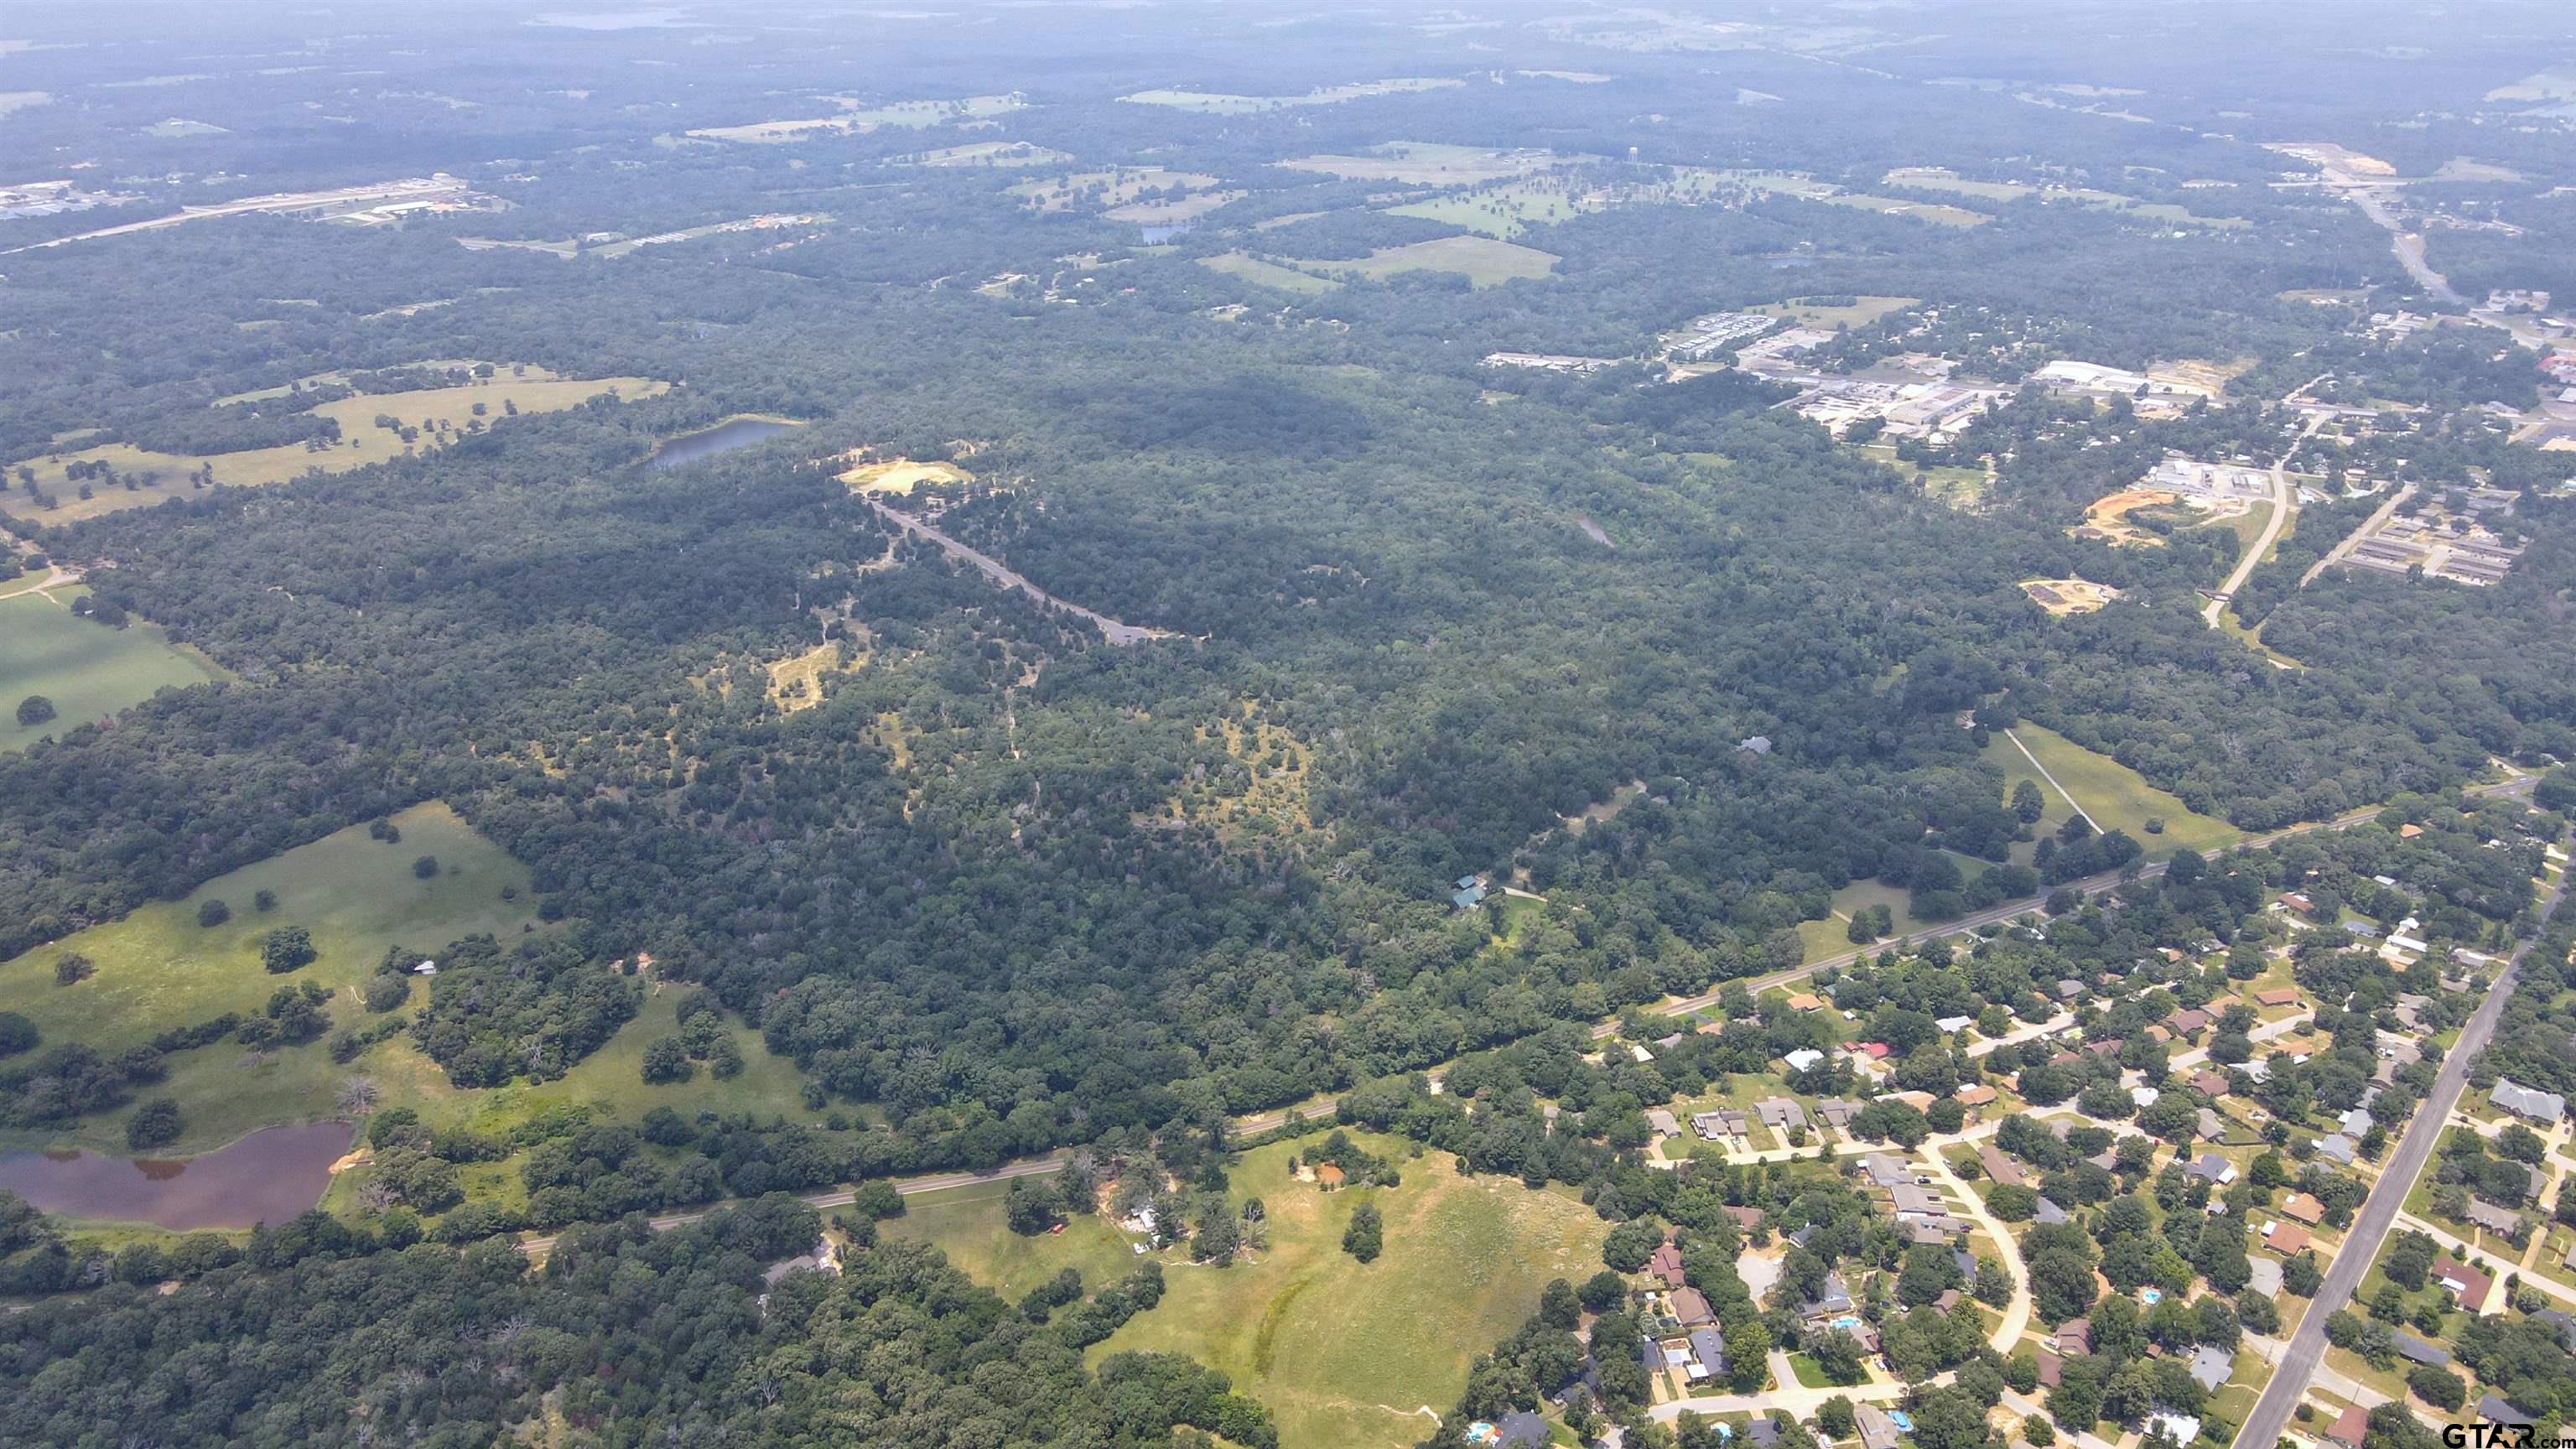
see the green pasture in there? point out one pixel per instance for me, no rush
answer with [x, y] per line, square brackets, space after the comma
[87, 669]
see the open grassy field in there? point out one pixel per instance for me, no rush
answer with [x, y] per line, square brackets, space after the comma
[1858, 312]
[1117, 186]
[2111, 794]
[797, 681]
[88, 670]
[158, 969]
[860, 118]
[902, 475]
[361, 442]
[1346, 1353]
[967, 1224]
[992, 153]
[1220, 104]
[1176, 209]
[1426, 163]
[1931, 211]
[1268, 274]
[1485, 261]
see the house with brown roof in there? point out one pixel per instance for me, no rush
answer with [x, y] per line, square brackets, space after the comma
[2075, 1336]
[2349, 1427]
[2305, 1208]
[1975, 1094]
[2052, 1369]
[1691, 1307]
[2209, 1084]
[1665, 1263]
[2188, 1020]
[2286, 1239]
[2467, 1284]
[2278, 996]
[1806, 1001]
[2001, 1170]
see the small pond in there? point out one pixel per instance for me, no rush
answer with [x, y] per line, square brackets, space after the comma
[267, 1177]
[724, 437]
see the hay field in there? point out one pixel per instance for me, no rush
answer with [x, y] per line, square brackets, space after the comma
[1485, 261]
[1216, 103]
[1268, 274]
[361, 442]
[1428, 163]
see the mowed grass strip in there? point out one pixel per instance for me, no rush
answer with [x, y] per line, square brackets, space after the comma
[2110, 794]
[87, 669]
[1268, 274]
[361, 443]
[1347, 1353]
[1484, 261]
[158, 969]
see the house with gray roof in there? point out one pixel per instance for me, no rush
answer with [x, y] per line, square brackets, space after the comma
[2534, 1106]
[1709, 1351]
[2049, 1212]
[2213, 1169]
[2337, 1148]
[1781, 1112]
[2416, 1350]
[2211, 1365]
[1877, 1431]
[2494, 1219]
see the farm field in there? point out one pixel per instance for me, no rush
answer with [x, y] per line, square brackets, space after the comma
[860, 119]
[1931, 211]
[992, 153]
[1345, 1353]
[1933, 178]
[158, 969]
[1426, 163]
[1179, 208]
[1485, 261]
[87, 669]
[2111, 794]
[1268, 274]
[361, 442]
[1221, 104]
[1506, 209]
[1118, 186]
[1858, 312]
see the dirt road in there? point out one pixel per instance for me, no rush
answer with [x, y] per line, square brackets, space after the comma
[1000, 573]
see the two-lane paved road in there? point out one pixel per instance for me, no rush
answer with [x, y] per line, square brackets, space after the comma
[2262, 1428]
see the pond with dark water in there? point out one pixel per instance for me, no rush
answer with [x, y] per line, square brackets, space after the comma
[724, 437]
[267, 1177]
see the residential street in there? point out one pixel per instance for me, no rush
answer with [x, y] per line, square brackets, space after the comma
[2306, 1354]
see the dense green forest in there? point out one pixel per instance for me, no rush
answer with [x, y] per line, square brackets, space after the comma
[994, 879]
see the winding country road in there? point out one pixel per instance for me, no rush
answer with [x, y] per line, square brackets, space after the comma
[2307, 1347]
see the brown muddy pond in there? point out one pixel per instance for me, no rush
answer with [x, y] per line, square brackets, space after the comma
[267, 1177]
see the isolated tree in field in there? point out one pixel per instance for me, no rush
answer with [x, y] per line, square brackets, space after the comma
[72, 968]
[2027, 803]
[288, 948]
[263, 900]
[35, 709]
[212, 912]
[1365, 1238]
[667, 1060]
[1030, 1206]
[156, 1123]
[17, 1034]
[425, 867]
